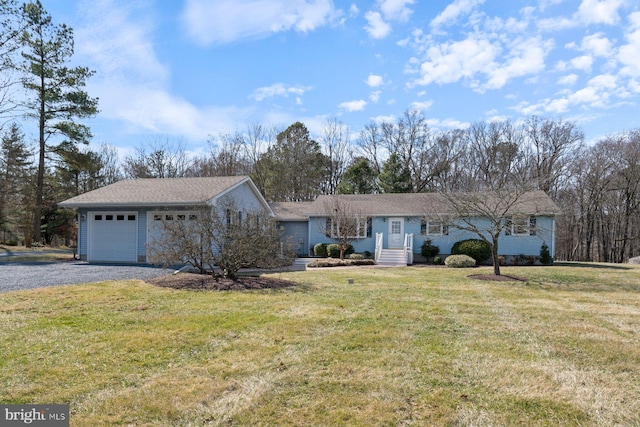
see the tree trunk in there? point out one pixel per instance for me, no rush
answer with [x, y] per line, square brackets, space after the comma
[494, 255]
[37, 211]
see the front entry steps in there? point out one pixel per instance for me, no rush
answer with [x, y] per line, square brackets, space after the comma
[392, 258]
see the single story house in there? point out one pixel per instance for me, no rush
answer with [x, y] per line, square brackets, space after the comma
[394, 226]
[116, 222]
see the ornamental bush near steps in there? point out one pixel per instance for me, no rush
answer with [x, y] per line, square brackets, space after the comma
[333, 250]
[460, 261]
[320, 249]
[477, 249]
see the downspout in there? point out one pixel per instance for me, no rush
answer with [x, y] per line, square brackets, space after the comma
[553, 238]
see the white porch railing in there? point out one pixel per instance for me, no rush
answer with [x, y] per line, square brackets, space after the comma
[408, 248]
[378, 246]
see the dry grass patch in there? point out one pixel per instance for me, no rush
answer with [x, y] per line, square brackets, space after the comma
[399, 346]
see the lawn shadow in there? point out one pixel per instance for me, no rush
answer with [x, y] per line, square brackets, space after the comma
[592, 265]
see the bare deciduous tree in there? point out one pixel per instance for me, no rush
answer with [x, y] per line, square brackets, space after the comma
[344, 223]
[158, 159]
[335, 139]
[223, 237]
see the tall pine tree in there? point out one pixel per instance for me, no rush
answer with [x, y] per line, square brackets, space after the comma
[56, 96]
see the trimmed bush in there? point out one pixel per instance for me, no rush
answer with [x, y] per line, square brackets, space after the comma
[545, 255]
[336, 262]
[477, 249]
[333, 250]
[355, 256]
[460, 261]
[428, 250]
[437, 260]
[320, 249]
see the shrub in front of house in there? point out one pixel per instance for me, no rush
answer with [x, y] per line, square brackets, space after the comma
[333, 250]
[477, 249]
[320, 249]
[460, 261]
[545, 255]
[437, 260]
[355, 256]
[337, 262]
[428, 250]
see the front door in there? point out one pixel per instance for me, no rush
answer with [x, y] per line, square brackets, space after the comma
[396, 232]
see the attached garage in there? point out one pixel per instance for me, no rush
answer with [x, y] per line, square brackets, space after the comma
[113, 236]
[116, 222]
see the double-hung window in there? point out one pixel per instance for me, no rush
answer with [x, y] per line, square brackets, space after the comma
[356, 228]
[520, 225]
[433, 227]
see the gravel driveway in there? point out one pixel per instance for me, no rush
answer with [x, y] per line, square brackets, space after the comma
[27, 275]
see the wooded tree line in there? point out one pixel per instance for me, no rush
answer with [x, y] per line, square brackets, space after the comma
[595, 185]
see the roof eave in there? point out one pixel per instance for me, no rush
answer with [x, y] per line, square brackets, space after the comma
[88, 205]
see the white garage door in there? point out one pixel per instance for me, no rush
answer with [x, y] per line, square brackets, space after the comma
[113, 236]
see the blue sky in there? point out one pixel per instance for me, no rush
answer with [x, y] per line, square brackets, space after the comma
[184, 70]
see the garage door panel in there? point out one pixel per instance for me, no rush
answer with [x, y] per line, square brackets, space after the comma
[113, 236]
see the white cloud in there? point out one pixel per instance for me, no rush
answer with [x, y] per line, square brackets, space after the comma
[357, 105]
[353, 10]
[119, 44]
[596, 94]
[599, 11]
[377, 27]
[396, 10]
[525, 57]
[130, 81]
[421, 105]
[447, 124]
[582, 63]
[589, 12]
[385, 11]
[278, 89]
[597, 45]
[374, 80]
[225, 21]
[451, 13]
[375, 96]
[569, 79]
[452, 61]
[628, 53]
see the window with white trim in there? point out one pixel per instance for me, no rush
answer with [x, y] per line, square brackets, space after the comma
[357, 228]
[433, 227]
[520, 225]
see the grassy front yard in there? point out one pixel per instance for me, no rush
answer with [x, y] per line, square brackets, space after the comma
[399, 346]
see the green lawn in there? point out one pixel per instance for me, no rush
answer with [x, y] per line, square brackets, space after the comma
[399, 346]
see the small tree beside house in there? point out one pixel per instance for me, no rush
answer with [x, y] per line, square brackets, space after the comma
[344, 225]
[223, 237]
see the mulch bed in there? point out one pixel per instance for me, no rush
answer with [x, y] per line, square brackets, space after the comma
[494, 278]
[210, 283]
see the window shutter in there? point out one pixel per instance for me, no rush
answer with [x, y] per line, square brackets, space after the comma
[369, 227]
[532, 226]
[445, 229]
[423, 226]
[327, 228]
[507, 226]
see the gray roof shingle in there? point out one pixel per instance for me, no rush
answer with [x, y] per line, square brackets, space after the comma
[290, 211]
[155, 192]
[418, 204]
